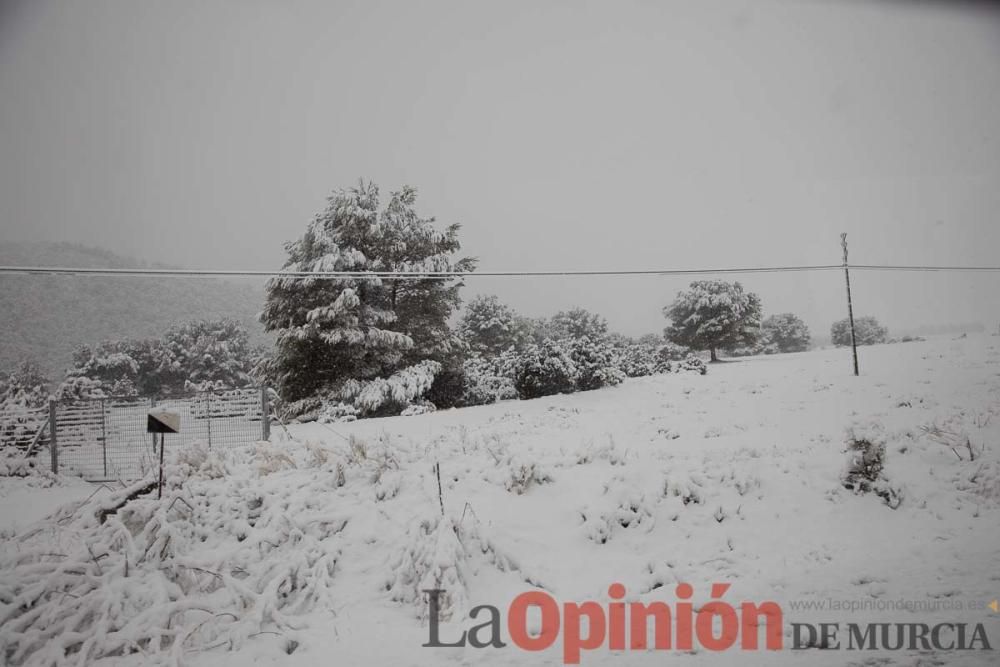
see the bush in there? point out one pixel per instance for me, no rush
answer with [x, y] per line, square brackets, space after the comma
[487, 381]
[692, 363]
[867, 331]
[595, 364]
[448, 388]
[544, 370]
[865, 469]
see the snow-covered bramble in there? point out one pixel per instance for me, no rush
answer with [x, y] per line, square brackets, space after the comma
[864, 471]
[213, 562]
[543, 370]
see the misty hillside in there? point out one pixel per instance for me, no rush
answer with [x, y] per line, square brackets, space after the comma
[46, 317]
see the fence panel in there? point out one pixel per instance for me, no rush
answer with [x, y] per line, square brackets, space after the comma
[106, 439]
[22, 427]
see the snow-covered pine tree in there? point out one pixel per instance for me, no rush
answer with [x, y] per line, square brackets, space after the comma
[714, 314]
[490, 326]
[578, 323]
[207, 354]
[334, 330]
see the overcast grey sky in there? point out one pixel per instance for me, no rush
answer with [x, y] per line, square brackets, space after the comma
[561, 134]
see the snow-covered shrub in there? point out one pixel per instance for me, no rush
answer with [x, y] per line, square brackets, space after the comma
[448, 388]
[608, 450]
[622, 506]
[271, 458]
[689, 489]
[23, 397]
[670, 351]
[693, 364]
[637, 359]
[486, 381]
[418, 409]
[433, 558]
[864, 471]
[543, 370]
[13, 463]
[594, 360]
[867, 331]
[522, 475]
[198, 460]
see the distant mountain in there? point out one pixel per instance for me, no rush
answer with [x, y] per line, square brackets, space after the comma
[45, 318]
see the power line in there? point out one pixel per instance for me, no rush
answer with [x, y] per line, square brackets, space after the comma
[390, 275]
[448, 275]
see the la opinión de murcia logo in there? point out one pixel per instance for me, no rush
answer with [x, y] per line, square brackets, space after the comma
[715, 625]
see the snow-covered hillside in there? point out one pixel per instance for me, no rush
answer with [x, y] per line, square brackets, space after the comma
[314, 550]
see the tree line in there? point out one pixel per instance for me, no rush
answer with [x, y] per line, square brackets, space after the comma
[358, 346]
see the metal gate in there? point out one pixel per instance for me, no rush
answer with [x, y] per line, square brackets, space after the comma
[105, 439]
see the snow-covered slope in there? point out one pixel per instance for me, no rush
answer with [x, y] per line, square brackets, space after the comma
[314, 550]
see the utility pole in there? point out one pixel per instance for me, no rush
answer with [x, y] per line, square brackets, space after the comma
[850, 306]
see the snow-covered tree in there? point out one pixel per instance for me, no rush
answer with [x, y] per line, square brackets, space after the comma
[23, 393]
[714, 314]
[578, 323]
[543, 370]
[786, 332]
[867, 331]
[490, 326]
[203, 354]
[331, 331]
[207, 354]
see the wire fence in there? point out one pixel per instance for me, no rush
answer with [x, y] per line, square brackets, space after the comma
[105, 439]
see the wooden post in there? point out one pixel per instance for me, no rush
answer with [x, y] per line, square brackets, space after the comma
[159, 492]
[850, 306]
[53, 445]
[208, 415]
[265, 414]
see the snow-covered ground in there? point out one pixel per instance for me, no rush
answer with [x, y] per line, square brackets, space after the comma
[314, 550]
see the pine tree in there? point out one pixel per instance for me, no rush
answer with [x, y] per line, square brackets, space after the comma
[579, 323]
[714, 314]
[490, 326]
[334, 330]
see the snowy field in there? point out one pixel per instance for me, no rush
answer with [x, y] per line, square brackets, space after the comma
[314, 551]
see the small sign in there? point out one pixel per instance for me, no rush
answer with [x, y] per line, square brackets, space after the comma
[163, 421]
